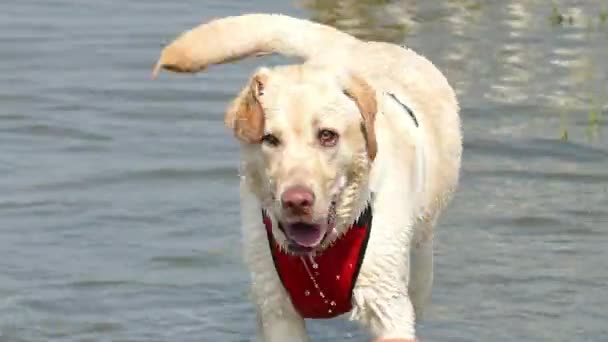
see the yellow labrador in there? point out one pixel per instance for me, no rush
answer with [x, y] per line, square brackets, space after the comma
[346, 162]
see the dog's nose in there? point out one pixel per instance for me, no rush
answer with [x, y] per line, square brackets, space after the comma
[297, 198]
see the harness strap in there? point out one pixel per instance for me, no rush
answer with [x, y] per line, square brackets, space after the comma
[322, 286]
[407, 109]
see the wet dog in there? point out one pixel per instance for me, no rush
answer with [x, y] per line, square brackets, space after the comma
[347, 161]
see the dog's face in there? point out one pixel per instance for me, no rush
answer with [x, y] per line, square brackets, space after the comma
[308, 138]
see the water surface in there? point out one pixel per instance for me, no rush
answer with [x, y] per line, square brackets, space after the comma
[118, 195]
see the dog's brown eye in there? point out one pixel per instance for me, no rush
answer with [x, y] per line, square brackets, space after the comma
[328, 138]
[271, 140]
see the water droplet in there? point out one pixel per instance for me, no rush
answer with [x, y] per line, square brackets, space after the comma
[312, 279]
[322, 294]
[350, 265]
[325, 301]
[329, 311]
[317, 273]
[338, 277]
[332, 303]
[307, 293]
[312, 262]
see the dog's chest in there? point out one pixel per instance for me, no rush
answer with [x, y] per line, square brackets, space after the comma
[321, 287]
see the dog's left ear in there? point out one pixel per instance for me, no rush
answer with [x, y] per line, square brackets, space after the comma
[245, 115]
[365, 97]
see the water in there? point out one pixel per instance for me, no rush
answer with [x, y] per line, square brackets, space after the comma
[118, 195]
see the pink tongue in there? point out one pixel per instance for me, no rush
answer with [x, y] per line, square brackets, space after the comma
[306, 235]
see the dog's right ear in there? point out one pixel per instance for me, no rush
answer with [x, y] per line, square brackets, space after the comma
[365, 98]
[245, 115]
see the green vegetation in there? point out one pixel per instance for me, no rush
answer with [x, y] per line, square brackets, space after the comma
[585, 74]
[564, 136]
[557, 18]
[563, 124]
[594, 117]
[594, 122]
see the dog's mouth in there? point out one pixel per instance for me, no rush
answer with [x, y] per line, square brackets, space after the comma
[307, 237]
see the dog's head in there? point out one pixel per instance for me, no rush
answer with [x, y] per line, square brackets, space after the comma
[308, 141]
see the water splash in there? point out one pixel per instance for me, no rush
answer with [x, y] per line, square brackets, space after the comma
[314, 281]
[312, 278]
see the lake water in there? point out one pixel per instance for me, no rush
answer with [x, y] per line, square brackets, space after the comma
[118, 195]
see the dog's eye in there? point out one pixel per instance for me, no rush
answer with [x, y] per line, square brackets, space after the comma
[271, 140]
[328, 138]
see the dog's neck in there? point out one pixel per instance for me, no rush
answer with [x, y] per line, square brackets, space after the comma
[349, 212]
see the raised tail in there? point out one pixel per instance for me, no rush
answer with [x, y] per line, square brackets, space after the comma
[233, 38]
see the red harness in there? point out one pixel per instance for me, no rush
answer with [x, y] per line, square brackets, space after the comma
[322, 287]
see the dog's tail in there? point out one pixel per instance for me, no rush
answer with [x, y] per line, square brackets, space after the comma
[233, 38]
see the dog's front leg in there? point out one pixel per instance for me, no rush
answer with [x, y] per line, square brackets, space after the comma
[381, 300]
[275, 328]
[385, 309]
[277, 319]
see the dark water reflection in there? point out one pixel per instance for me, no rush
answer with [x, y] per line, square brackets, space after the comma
[118, 195]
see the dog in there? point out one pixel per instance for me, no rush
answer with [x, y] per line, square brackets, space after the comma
[347, 161]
